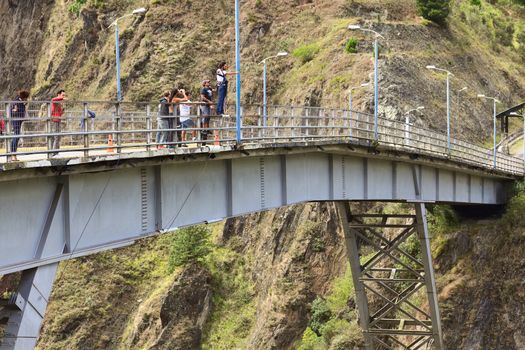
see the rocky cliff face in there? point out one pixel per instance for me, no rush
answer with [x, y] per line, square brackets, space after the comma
[23, 27]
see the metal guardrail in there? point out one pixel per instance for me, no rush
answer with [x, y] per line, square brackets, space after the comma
[126, 127]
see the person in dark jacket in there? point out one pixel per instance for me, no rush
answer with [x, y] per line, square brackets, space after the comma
[163, 120]
[18, 114]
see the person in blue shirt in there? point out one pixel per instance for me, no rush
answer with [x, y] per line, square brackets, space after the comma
[18, 114]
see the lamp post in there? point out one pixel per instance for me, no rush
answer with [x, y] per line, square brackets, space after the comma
[376, 89]
[495, 101]
[279, 54]
[117, 48]
[407, 122]
[459, 105]
[238, 69]
[448, 101]
[350, 102]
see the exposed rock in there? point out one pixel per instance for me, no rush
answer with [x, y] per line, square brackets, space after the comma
[184, 311]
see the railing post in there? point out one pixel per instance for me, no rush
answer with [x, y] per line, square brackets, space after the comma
[275, 125]
[350, 132]
[148, 127]
[307, 122]
[85, 136]
[199, 124]
[8, 129]
[49, 130]
[333, 122]
[292, 126]
[260, 130]
[407, 130]
[118, 127]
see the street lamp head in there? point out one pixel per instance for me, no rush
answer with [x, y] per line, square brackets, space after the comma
[282, 53]
[139, 11]
[354, 27]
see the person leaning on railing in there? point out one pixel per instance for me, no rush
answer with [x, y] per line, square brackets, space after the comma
[57, 111]
[18, 114]
[163, 123]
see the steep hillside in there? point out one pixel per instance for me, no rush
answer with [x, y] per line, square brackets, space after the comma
[175, 41]
[279, 279]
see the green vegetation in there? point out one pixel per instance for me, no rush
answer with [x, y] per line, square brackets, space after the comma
[351, 45]
[190, 244]
[306, 53]
[434, 10]
[516, 207]
[333, 322]
[76, 6]
[234, 305]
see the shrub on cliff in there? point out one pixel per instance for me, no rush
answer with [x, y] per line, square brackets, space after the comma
[434, 10]
[190, 244]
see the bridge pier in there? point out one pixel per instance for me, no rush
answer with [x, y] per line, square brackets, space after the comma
[389, 274]
[27, 308]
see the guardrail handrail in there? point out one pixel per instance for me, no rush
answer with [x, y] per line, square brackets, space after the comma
[96, 126]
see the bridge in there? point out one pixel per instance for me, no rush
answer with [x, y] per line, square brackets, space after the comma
[110, 184]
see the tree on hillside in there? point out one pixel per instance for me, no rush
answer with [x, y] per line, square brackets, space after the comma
[434, 10]
[190, 244]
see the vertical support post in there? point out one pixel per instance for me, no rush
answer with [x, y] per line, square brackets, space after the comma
[199, 124]
[49, 130]
[118, 127]
[376, 89]
[8, 129]
[307, 121]
[430, 279]
[343, 209]
[148, 127]
[24, 324]
[292, 115]
[523, 138]
[264, 94]
[275, 124]
[448, 112]
[238, 69]
[259, 123]
[494, 136]
[407, 130]
[85, 136]
[117, 59]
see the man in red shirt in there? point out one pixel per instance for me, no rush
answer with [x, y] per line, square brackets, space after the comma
[57, 111]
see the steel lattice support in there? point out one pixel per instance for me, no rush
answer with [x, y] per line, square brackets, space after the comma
[391, 266]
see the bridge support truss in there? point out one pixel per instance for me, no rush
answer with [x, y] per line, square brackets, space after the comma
[26, 309]
[390, 275]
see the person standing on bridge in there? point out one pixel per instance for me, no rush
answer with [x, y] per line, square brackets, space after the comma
[163, 122]
[18, 114]
[206, 99]
[57, 111]
[178, 96]
[222, 86]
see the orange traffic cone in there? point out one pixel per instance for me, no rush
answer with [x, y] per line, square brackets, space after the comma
[110, 144]
[216, 141]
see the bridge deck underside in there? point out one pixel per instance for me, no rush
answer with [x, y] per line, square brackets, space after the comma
[47, 219]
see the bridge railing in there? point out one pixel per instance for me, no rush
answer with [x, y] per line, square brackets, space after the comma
[97, 127]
